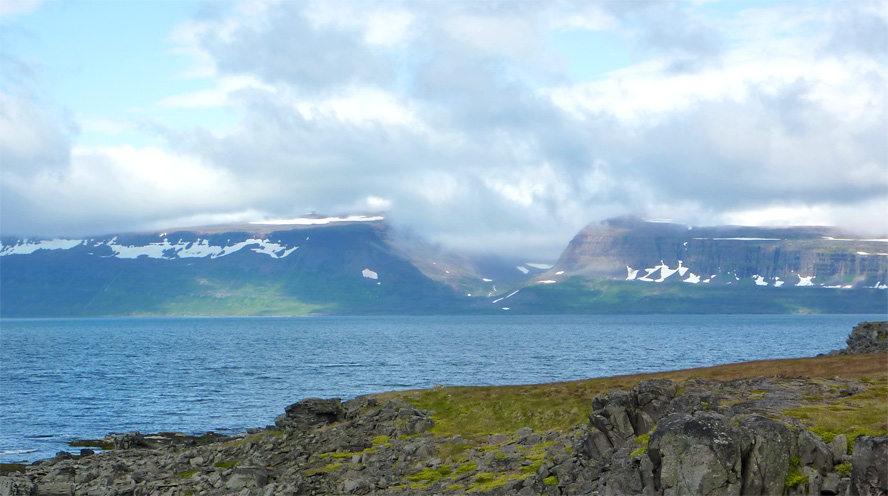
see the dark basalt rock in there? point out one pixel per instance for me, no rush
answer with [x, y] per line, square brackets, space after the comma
[698, 454]
[869, 462]
[867, 337]
[311, 413]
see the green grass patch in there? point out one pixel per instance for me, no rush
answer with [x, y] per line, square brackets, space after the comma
[486, 482]
[11, 468]
[430, 475]
[187, 474]
[642, 442]
[795, 477]
[466, 468]
[453, 451]
[532, 468]
[861, 414]
[330, 467]
[844, 469]
[552, 480]
[224, 465]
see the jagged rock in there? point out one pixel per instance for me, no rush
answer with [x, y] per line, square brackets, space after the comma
[651, 401]
[311, 413]
[698, 454]
[54, 489]
[869, 466]
[594, 444]
[839, 448]
[12, 487]
[128, 440]
[694, 402]
[866, 337]
[812, 451]
[611, 416]
[766, 462]
[628, 473]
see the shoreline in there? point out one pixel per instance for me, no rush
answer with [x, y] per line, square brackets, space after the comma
[815, 425]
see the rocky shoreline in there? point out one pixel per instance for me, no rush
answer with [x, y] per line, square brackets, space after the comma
[699, 435]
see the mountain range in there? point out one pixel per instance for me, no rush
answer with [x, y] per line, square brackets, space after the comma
[360, 265]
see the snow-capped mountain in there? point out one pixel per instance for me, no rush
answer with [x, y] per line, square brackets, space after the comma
[360, 265]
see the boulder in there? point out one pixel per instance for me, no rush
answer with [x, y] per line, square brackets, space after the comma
[15, 487]
[766, 462]
[869, 466]
[839, 448]
[612, 416]
[651, 400]
[127, 440]
[697, 454]
[594, 444]
[311, 413]
[866, 337]
[812, 451]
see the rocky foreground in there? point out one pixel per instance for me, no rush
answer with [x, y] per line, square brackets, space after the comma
[774, 434]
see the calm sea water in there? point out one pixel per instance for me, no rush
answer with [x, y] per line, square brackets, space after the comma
[83, 378]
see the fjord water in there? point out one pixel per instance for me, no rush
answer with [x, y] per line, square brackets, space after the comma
[65, 379]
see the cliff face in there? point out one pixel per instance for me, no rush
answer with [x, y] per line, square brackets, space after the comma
[649, 251]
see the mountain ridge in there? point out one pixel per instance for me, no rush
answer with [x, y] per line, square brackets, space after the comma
[361, 265]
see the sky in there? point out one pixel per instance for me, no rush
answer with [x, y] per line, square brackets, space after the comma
[493, 126]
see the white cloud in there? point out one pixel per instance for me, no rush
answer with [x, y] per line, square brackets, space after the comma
[456, 117]
[10, 8]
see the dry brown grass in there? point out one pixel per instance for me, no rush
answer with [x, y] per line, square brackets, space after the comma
[561, 405]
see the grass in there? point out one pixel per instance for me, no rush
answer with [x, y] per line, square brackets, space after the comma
[860, 414]
[642, 442]
[795, 477]
[330, 467]
[471, 411]
[487, 481]
[11, 468]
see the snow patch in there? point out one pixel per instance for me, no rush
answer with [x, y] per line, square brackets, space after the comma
[539, 266]
[647, 277]
[759, 280]
[805, 281]
[665, 271]
[681, 269]
[632, 273]
[308, 221]
[692, 278]
[522, 269]
[369, 274]
[862, 253]
[559, 273]
[506, 308]
[486, 279]
[26, 247]
[547, 281]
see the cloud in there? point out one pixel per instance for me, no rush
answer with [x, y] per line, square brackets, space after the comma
[459, 123]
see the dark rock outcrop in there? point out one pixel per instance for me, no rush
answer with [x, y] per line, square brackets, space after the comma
[645, 440]
[869, 474]
[310, 413]
[867, 337]
[698, 454]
